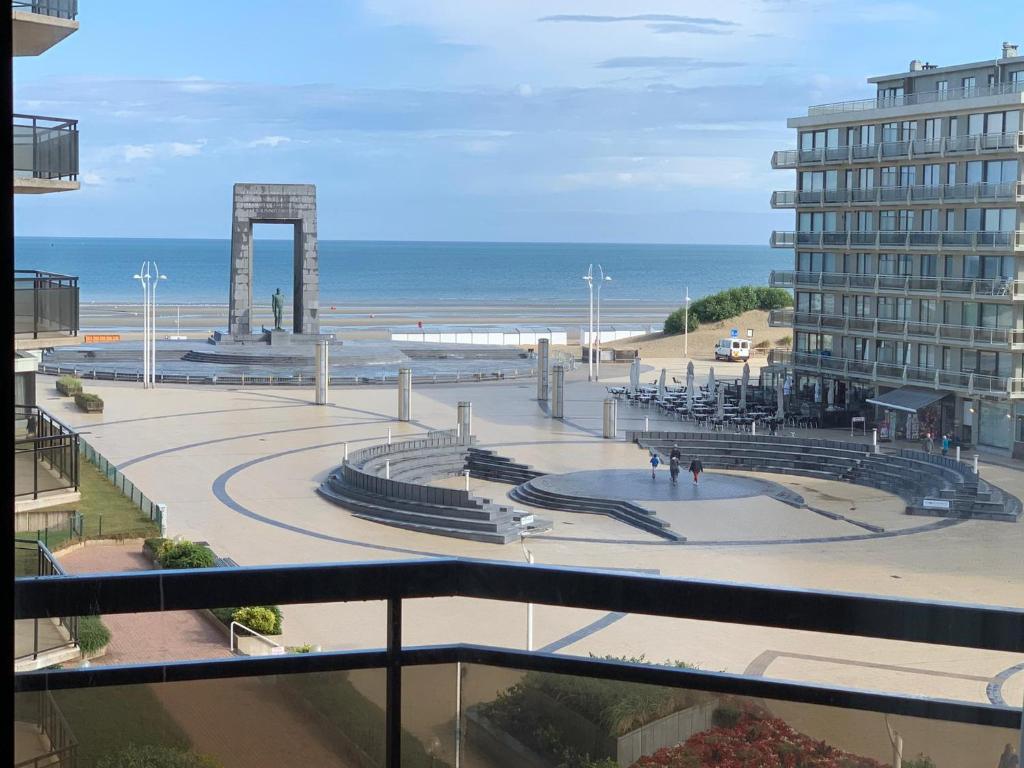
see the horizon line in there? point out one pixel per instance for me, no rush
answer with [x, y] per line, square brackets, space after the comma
[367, 240]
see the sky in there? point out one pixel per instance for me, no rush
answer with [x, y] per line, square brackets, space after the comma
[496, 120]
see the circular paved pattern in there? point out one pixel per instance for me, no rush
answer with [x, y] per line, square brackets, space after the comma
[637, 485]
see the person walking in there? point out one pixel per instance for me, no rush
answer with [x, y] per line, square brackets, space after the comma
[945, 445]
[696, 468]
[655, 461]
[929, 443]
[674, 453]
[673, 468]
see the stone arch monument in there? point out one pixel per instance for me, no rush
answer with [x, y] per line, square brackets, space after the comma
[293, 204]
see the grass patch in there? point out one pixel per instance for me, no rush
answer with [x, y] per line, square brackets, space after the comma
[106, 512]
[107, 719]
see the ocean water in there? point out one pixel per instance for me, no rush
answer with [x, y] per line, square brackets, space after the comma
[361, 273]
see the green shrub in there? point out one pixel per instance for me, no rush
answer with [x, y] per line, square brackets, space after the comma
[155, 547]
[921, 761]
[306, 648]
[226, 615]
[725, 304]
[153, 756]
[89, 403]
[255, 618]
[726, 716]
[185, 554]
[69, 385]
[92, 634]
[785, 341]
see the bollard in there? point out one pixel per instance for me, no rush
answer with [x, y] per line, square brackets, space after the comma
[465, 421]
[389, 435]
[321, 377]
[753, 427]
[958, 453]
[975, 463]
[543, 358]
[467, 479]
[404, 394]
[874, 439]
[387, 469]
[611, 425]
[162, 509]
[345, 456]
[647, 423]
[557, 391]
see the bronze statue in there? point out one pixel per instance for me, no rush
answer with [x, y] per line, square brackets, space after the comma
[277, 303]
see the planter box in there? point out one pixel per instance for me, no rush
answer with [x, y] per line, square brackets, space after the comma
[89, 404]
[69, 390]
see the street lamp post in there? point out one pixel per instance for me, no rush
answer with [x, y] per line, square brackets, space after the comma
[589, 278]
[529, 606]
[143, 276]
[157, 277]
[602, 279]
[686, 324]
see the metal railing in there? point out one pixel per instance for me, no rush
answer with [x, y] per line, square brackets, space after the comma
[32, 559]
[45, 147]
[909, 330]
[962, 381]
[117, 478]
[45, 453]
[954, 240]
[979, 143]
[62, 751]
[61, 9]
[1009, 191]
[881, 618]
[45, 303]
[954, 287]
[913, 99]
[275, 647]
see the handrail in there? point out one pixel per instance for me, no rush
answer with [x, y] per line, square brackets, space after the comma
[958, 239]
[877, 325]
[979, 287]
[911, 99]
[60, 9]
[925, 194]
[278, 648]
[878, 151]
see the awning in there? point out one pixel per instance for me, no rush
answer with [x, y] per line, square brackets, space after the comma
[908, 399]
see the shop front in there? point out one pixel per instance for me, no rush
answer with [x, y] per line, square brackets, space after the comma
[995, 426]
[913, 413]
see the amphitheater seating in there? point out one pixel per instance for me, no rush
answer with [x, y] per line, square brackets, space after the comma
[912, 475]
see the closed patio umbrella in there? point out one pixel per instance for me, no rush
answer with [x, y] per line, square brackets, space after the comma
[634, 374]
[689, 385]
[780, 412]
[744, 383]
[661, 385]
[711, 381]
[831, 394]
[720, 413]
[817, 391]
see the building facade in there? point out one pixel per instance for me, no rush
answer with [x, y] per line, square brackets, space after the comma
[908, 272]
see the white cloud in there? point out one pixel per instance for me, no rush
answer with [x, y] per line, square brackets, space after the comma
[93, 179]
[132, 152]
[269, 141]
[182, 149]
[665, 173]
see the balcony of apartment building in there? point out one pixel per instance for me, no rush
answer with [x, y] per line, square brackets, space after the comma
[919, 194]
[988, 289]
[960, 382]
[900, 330]
[933, 241]
[46, 464]
[41, 642]
[45, 154]
[456, 702]
[888, 151]
[933, 99]
[45, 309]
[38, 25]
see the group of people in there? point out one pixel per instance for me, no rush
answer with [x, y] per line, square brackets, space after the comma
[929, 443]
[675, 459]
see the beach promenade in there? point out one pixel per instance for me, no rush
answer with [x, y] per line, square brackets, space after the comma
[238, 468]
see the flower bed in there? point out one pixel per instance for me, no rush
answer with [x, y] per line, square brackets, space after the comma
[755, 740]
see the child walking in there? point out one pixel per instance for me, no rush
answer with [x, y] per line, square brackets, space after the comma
[655, 461]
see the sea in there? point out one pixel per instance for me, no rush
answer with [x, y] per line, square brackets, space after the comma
[368, 273]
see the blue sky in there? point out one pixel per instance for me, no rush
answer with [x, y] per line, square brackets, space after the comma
[537, 120]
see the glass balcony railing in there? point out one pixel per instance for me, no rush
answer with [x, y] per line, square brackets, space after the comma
[60, 9]
[951, 287]
[964, 382]
[45, 148]
[36, 637]
[45, 304]
[954, 240]
[914, 99]
[45, 453]
[900, 150]
[1010, 191]
[456, 704]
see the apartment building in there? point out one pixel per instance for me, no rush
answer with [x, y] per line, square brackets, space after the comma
[45, 156]
[908, 271]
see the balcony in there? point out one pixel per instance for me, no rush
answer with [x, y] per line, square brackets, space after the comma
[45, 154]
[961, 382]
[915, 99]
[45, 465]
[987, 289]
[454, 703]
[41, 642]
[950, 146]
[902, 330]
[45, 309]
[958, 241]
[38, 25]
[1003, 192]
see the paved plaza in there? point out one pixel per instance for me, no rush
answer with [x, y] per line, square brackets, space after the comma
[238, 468]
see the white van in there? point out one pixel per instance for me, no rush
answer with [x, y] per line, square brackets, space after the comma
[733, 349]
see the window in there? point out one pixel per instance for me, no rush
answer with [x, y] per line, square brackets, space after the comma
[887, 264]
[954, 126]
[930, 220]
[908, 130]
[996, 316]
[928, 311]
[932, 128]
[889, 176]
[905, 221]
[865, 222]
[908, 175]
[994, 122]
[931, 175]
[867, 134]
[925, 356]
[1017, 78]
[929, 265]
[997, 171]
[975, 172]
[1000, 219]
[866, 178]
[886, 223]
[942, 87]
[975, 124]
[890, 131]
[972, 219]
[859, 263]
[951, 173]
[950, 220]
[969, 83]
[892, 95]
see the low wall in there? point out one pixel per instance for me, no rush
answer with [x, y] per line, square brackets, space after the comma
[380, 486]
[666, 732]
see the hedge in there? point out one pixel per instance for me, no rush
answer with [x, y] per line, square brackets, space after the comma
[92, 634]
[185, 554]
[226, 615]
[726, 304]
[69, 385]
